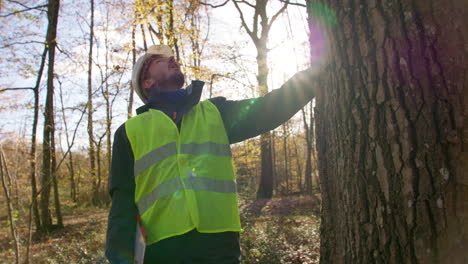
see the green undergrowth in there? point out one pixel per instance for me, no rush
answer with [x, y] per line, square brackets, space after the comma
[280, 230]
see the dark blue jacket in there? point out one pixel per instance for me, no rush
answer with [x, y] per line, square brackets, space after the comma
[242, 119]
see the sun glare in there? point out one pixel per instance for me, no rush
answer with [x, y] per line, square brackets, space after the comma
[296, 44]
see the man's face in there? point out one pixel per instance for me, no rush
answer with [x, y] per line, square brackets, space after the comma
[165, 74]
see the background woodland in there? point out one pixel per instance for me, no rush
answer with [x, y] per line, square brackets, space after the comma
[374, 170]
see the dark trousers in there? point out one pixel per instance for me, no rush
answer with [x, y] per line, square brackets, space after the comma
[196, 248]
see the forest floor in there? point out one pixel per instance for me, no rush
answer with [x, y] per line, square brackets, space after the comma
[280, 230]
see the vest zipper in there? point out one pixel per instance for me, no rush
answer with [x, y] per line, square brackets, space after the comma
[179, 133]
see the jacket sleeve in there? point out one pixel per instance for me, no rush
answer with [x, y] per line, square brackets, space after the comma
[248, 118]
[122, 216]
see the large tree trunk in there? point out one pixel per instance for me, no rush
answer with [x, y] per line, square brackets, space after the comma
[47, 149]
[390, 133]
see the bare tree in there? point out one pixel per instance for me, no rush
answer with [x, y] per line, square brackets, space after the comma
[32, 153]
[132, 89]
[70, 142]
[91, 151]
[259, 36]
[48, 149]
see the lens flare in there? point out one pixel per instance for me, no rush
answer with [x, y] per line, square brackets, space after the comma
[321, 14]
[320, 17]
[178, 195]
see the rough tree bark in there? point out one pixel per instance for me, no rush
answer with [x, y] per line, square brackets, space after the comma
[391, 137]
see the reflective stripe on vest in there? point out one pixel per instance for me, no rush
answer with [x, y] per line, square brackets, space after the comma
[184, 178]
[175, 184]
[170, 149]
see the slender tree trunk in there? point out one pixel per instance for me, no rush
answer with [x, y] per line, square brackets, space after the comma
[314, 181]
[28, 242]
[259, 36]
[47, 166]
[78, 180]
[99, 172]
[195, 41]
[32, 153]
[108, 111]
[299, 166]
[274, 161]
[265, 189]
[159, 20]
[308, 166]
[108, 135]
[70, 164]
[130, 96]
[285, 156]
[58, 211]
[6, 188]
[170, 33]
[71, 169]
[392, 135]
[143, 35]
[92, 152]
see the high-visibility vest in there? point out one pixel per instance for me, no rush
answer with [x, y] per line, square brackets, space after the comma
[184, 179]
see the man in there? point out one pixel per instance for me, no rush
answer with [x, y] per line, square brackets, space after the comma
[172, 177]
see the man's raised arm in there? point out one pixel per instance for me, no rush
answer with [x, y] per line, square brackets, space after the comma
[248, 118]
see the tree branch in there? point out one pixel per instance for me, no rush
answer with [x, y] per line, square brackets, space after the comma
[20, 43]
[255, 22]
[18, 3]
[277, 14]
[16, 88]
[152, 30]
[214, 6]
[291, 3]
[247, 3]
[24, 10]
[251, 34]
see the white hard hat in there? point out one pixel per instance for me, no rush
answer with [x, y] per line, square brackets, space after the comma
[162, 50]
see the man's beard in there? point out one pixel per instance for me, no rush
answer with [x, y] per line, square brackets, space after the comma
[177, 79]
